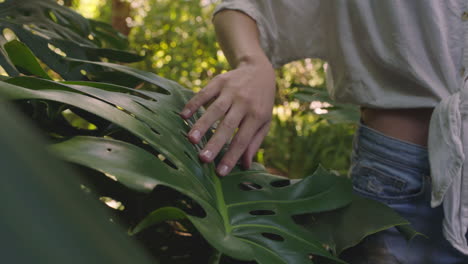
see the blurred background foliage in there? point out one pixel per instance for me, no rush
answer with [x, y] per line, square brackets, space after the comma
[179, 42]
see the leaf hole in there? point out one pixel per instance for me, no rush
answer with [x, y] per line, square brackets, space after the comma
[189, 156]
[2, 71]
[60, 53]
[142, 96]
[249, 186]
[83, 72]
[163, 158]
[52, 16]
[280, 183]
[170, 164]
[152, 87]
[273, 237]
[114, 204]
[77, 121]
[145, 107]
[110, 176]
[9, 34]
[109, 150]
[262, 212]
[155, 131]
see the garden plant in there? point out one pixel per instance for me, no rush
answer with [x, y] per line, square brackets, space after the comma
[119, 128]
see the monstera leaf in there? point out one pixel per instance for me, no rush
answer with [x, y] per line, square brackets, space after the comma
[140, 141]
[53, 32]
[62, 222]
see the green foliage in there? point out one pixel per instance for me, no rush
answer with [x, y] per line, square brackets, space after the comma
[54, 32]
[308, 128]
[176, 36]
[248, 215]
[179, 41]
[297, 144]
[131, 144]
[300, 139]
[46, 218]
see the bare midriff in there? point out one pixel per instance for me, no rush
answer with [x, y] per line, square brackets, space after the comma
[410, 125]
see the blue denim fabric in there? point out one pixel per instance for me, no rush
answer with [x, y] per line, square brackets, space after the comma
[397, 173]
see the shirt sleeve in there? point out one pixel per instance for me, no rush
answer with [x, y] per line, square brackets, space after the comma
[289, 30]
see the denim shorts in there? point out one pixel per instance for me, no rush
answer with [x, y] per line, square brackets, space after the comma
[396, 173]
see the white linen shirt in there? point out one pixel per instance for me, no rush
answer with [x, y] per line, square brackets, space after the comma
[387, 54]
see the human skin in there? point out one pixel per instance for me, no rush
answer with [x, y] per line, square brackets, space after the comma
[242, 99]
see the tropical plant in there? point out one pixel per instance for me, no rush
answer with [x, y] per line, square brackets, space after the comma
[131, 144]
[54, 32]
[309, 129]
[179, 41]
[46, 217]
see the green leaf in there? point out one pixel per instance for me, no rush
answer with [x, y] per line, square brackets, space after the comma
[48, 218]
[53, 32]
[346, 227]
[5, 61]
[248, 215]
[23, 59]
[158, 216]
[337, 113]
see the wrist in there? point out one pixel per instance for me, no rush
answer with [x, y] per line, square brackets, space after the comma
[249, 60]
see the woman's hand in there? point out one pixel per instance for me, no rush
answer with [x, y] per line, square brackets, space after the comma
[243, 98]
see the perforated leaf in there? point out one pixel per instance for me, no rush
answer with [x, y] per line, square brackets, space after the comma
[46, 218]
[52, 32]
[248, 215]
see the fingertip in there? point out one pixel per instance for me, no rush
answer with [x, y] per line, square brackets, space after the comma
[193, 140]
[206, 156]
[186, 113]
[222, 170]
[194, 136]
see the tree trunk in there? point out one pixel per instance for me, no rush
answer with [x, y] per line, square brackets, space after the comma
[120, 12]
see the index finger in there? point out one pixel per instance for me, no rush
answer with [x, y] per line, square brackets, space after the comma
[205, 95]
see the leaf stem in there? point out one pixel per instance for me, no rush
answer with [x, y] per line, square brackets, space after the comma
[220, 199]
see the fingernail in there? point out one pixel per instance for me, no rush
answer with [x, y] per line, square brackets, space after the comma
[207, 154]
[223, 170]
[195, 135]
[186, 112]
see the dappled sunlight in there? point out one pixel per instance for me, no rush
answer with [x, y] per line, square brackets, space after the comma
[319, 107]
[179, 41]
[90, 8]
[112, 203]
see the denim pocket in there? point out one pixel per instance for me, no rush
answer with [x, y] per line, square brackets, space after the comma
[386, 182]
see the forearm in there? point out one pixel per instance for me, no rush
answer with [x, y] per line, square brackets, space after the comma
[238, 37]
[242, 98]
